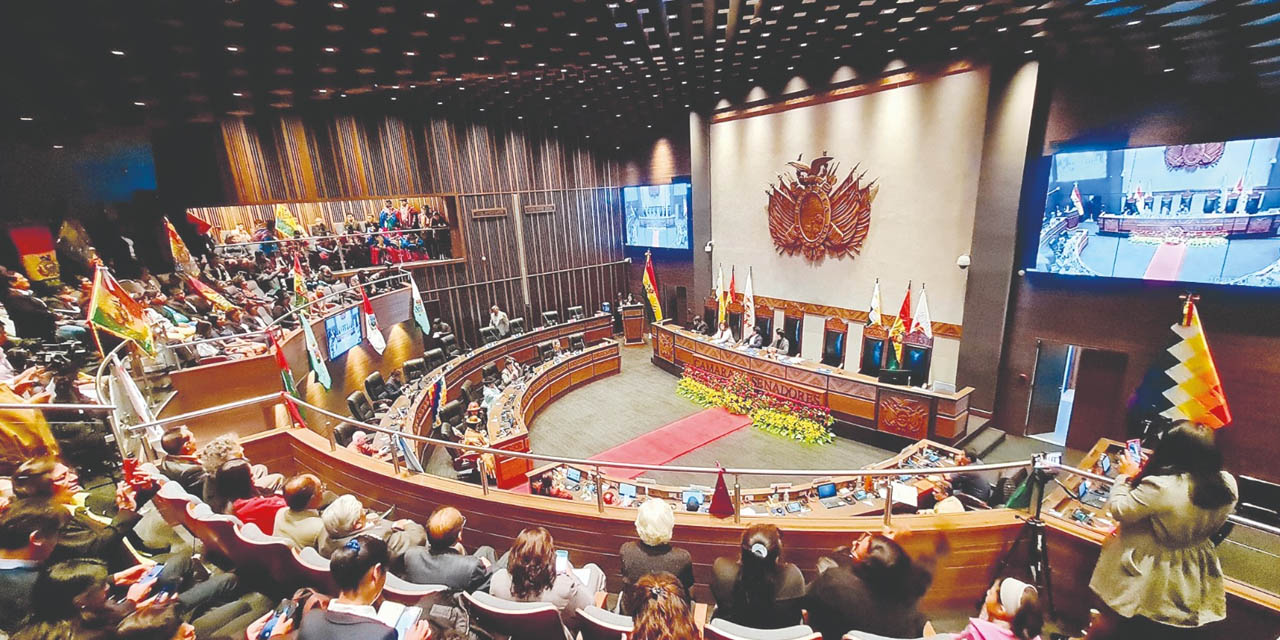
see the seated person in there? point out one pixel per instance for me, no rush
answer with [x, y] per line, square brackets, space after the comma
[756, 341]
[758, 589]
[28, 535]
[723, 335]
[405, 535]
[48, 483]
[653, 553]
[533, 574]
[344, 520]
[160, 621]
[1012, 611]
[300, 523]
[221, 449]
[698, 325]
[359, 569]
[874, 586]
[444, 560]
[781, 345]
[180, 463]
[491, 393]
[247, 502]
[512, 371]
[661, 611]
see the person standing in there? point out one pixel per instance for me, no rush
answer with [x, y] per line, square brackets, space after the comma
[1158, 575]
[499, 321]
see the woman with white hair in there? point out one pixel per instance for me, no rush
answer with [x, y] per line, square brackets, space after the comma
[345, 519]
[653, 553]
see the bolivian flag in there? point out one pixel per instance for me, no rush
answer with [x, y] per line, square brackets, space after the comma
[651, 287]
[182, 261]
[209, 293]
[1196, 392]
[286, 225]
[112, 310]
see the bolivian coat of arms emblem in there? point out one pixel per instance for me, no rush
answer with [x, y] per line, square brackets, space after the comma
[811, 215]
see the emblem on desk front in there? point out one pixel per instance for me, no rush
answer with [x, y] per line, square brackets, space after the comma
[813, 216]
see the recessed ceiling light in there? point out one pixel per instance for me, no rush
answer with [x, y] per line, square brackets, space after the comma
[117, 52]
[232, 48]
[137, 103]
[439, 102]
[57, 146]
[954, 48]
[1028, 52]
[1134, 22]
[1154, 46]
[338, 5]
[26, 118]
[330, 49]
[429, 14]
[573, 34]
[1002, 29]
[889, 50]
[411, 53]
[1168, 69]
[237, 94]
[508, 24]
[393, 97]
[324, 91]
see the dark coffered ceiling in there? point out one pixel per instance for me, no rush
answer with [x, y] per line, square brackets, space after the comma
[76, 67]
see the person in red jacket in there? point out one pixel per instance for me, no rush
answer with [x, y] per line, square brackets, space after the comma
[235, 483]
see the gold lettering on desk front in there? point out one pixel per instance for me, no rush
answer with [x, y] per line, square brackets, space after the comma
[762, 383]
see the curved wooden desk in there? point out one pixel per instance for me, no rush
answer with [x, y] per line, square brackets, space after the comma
[858, 402]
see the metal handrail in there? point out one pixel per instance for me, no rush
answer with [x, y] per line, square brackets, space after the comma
[1238, 519]
[358, 234]
[401, 273]
[57, 407]
[198, 413]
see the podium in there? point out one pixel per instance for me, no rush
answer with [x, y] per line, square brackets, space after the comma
[633, 323]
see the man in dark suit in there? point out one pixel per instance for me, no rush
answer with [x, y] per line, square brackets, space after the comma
[180, 463]
[28, 534]
[444, 560]
[359, 571]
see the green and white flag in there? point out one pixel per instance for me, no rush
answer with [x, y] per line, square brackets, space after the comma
[419, 311]
[313, 353]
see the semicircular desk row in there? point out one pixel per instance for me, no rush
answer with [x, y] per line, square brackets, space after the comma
[976, 540]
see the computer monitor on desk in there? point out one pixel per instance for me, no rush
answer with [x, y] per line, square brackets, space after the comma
[895, 376]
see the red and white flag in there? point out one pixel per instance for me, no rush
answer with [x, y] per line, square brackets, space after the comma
[371, 330]
[1076, 200]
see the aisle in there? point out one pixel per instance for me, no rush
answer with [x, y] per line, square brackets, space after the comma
[668, 443]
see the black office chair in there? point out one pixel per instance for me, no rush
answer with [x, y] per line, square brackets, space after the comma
[376, 387]
[468, 390]
[451, 412]
[414, 369]
[361, 408]
[490, 372]
[449, 343]
[578, 342]
[517, 326]
[546, 351]
[575, 313]
[343, 432]
[550, 318]
[487, 335]
[434, 358]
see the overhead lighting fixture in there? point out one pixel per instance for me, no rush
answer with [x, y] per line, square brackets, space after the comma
[137, 103]
[508, 24]
[1153, 47]
[1028, 52]
[117, 52]
[1168, 69]
[237, 94]
[429, 14]
[954, 48]
[338, 5]
[330, 49]
[324, 91]
[26, 118]
[57, 146]
[1002, 29]
[573, 34]
[1134, 22]
[232, 48]
[411, 53]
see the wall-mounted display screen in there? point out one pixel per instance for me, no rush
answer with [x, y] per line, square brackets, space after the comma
[343, 330]
[1195, 213]
[657, 216]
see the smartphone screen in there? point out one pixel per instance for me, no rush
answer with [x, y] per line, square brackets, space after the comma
[562, 560]
[1134, 448]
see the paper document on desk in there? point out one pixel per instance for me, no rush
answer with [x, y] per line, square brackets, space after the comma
[583, 574]
[905, 494]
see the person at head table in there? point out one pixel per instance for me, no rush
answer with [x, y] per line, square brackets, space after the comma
[781, 344]
[499, 321]
[723, 335]
[756, 340]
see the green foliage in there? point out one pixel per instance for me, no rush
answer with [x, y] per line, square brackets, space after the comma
[781, 416]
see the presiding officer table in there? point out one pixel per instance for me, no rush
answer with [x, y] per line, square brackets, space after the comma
[858, 400]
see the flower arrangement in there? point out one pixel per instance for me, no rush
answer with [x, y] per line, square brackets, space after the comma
[770, 412]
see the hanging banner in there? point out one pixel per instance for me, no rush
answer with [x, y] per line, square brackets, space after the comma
[313, 353]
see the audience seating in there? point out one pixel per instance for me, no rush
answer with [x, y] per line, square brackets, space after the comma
[578, 342]
[264, 554]
[314, 569]
[376, 387]
[342, 433]
[719, 629]
[602, 624]
[519, 620]
[971, 503]
[468, 390]
[488, 335]
[360, 407]
[1259, 500]
[517, 326]
[491, 372]
[449, 343]
[434, 357]
[550, 318]
[414, 369]
[574, 313]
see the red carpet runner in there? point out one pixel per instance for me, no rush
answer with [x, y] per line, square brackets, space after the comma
[1166, 263]
[672, 441]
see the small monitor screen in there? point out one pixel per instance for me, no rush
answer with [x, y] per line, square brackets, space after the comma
[573, 475]
[626, 490]
[1083, 489]
[343, 331]
[696, 495]
[827, 490]
[657, 215]
[1104, 463]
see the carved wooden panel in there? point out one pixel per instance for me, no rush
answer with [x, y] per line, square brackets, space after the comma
[769, 367]
[876, 332]
[682, 341]
[851, 387]
[804, 376]
[852, 406]
[835, 324]
[953, 407]
[682, 356]
[736, 359]
[904, 415]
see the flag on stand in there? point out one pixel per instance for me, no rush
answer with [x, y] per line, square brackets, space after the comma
[721, 503]
[35, 246]
[371, 330]
[286, 377]
[651, 287]
[748, 308]
[299, 284]
[432, 399]
[1195, 391]
[112, 310]
[899, 330]
[313, 353]
[874, 315]
[1138, 200]
[209, 293]
[722, 310]
[286, 225]
[419, 309]
[183, 263]
[921, 321]
[199, 225]
[1076, 200]
[733, 284]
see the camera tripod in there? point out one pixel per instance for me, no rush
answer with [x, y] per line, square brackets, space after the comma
[1032, 533]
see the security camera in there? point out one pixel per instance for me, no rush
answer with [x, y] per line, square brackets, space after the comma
[963, 261]
[707, 248]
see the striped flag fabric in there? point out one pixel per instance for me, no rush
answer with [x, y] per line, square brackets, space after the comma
[651, 287]
[286, 225]
[112, 310]
[922, 321]
[286, 378]
[748, 308]
[183, 263]
[875, 316]
[419, 309]
[1076, 200]
[313, 353]
[209, 293]
[722, 306]
[299, 284]
[371, 330]
[1194, 391]
[898, 330]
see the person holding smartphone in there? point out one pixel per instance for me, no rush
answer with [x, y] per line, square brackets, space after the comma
[537, 572]
[359, 569]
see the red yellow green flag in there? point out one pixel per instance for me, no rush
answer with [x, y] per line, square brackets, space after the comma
[286, 225]
[898, 330]
[112, 310]
[1196, 394]
[299, 284]
[182, 261]
[651, 287]
[209, 293]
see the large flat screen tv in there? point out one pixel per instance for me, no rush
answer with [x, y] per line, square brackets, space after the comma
[343, 330]
[657, 216]
[1195, 213]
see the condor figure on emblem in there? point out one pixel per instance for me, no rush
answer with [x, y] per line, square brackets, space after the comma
[811, 215]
